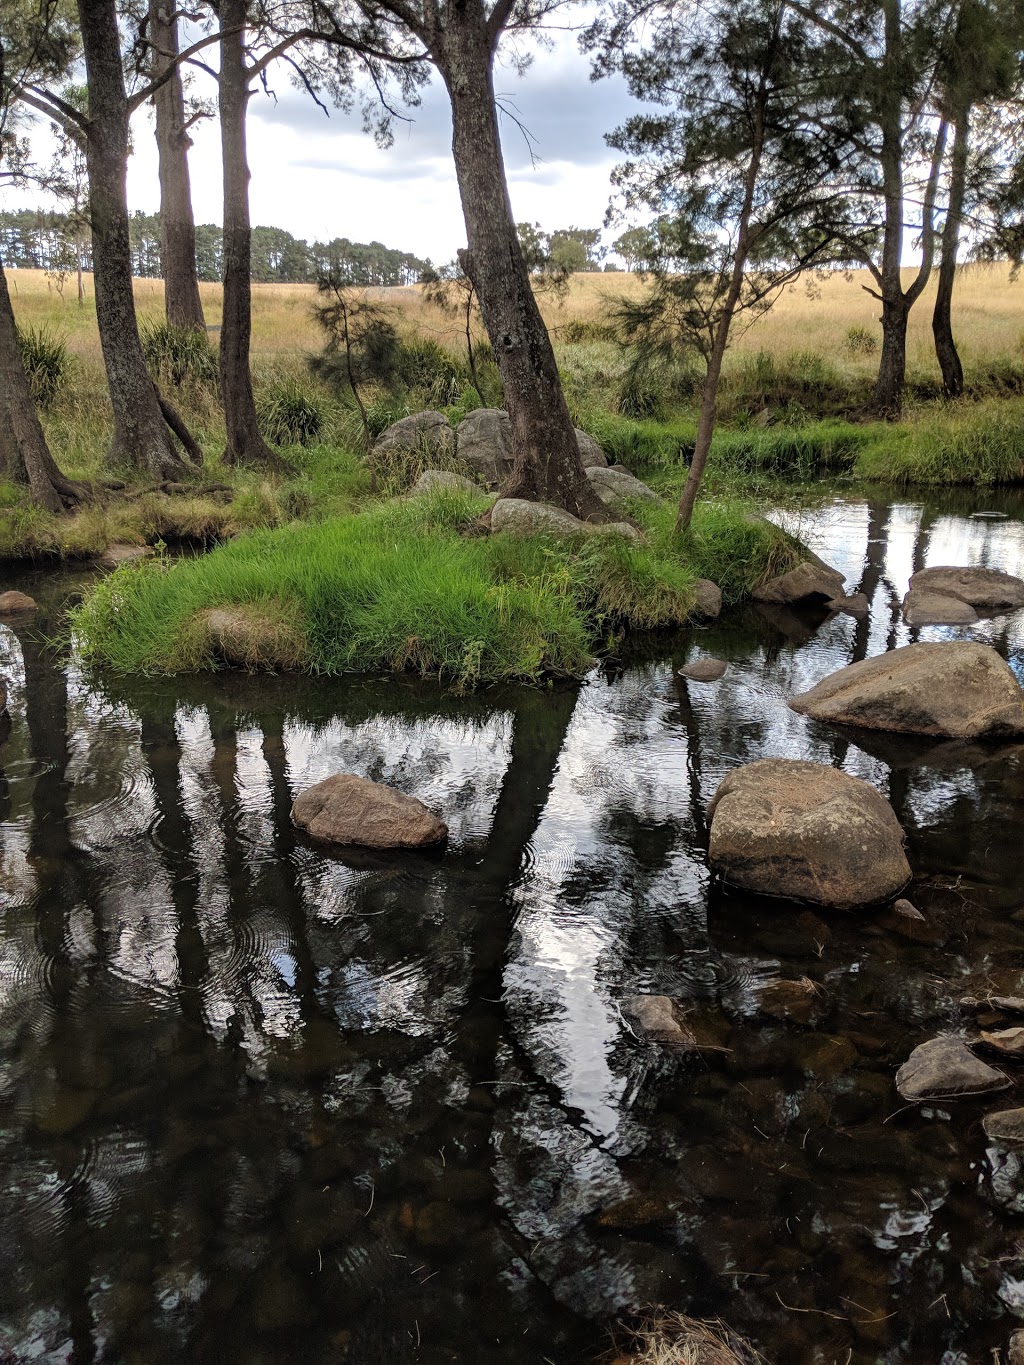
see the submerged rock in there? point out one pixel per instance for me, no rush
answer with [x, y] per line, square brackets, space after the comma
[792, 1001]
[12, 603]
[954, 689]
[922, 608]
[1007, 1125]
[346, 809]
[428, 432]
[704, 670]
[987, 590]
[657, 1017]
[907, 910]
[115, 555]
[944, 1069]
[856, 604]
[811, 581]
[433, 479]
[1008, 1041]
[785, 827]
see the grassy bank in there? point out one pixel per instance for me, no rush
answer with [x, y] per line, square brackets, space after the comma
[402, 585]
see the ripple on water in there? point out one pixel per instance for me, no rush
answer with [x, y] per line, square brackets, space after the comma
[26, 986]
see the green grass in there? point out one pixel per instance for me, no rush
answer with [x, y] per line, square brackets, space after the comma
[962, 443]
[401, 586]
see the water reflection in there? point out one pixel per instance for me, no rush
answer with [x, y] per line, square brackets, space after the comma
[262, 1103]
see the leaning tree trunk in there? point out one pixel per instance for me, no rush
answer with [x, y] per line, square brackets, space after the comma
[942, 315]
[24, 455]
[545, 451]
[140, 435]
[182, 303]
[245, 445]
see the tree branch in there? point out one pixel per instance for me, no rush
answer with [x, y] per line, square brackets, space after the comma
[141, 96]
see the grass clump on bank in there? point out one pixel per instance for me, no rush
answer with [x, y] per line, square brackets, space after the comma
[980, 444]
[401, 586]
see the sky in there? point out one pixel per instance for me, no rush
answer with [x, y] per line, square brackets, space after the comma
[323, 177]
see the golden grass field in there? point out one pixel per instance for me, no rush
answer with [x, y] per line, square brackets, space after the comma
[988, 315]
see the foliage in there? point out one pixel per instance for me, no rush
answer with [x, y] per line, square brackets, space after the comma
[176, 355]
[291, 414]
[401, 586]
[47, 362]
[861, 341]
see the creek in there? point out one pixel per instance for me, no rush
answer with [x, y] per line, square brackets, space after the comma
[264, 1103]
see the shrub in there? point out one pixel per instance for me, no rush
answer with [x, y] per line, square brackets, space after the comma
[580, 330]
[290, 414]
[426, 367]
[176, 355]
[47, 362]
[861, 341]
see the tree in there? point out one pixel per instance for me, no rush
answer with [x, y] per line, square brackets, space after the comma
[635, 246]
[460, 38]
[69, 180]
[183, 304]
[730, 166]
[575, 249]
[34, 45]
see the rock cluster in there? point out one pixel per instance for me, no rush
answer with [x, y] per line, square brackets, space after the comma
[949, 596]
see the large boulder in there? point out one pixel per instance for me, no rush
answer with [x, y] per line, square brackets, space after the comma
[952, 689]
[708, 597]
[811, 582]
[15, 603]
[428, 432]
[924, 608]
[484, 445]
[431, 480]
[614, 485]
[522, 517]
[785, 827]
[946, 1069]
[348, 810]
[989, 591]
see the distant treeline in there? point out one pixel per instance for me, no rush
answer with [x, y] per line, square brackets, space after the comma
[40, 240]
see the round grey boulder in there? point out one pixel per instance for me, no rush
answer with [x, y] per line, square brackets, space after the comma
[14, 603]
[614, 485]
[924, 608]
[522, 517]
[591, 454]
[350, 810]
[954, 689]
[946, 1069]
[785, 827]
[704, 670]
[431, 480]
[987, 590]
[428, 432]
[483, 443]
[811, 581]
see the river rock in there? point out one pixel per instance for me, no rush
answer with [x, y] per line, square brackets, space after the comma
[613, 485]
[115, 555]
[433, 479]
[1007, 1041]
[244, 636]
[704, 670]
[792, 1001]
[944, 1069]
[428, 432]
[1007, 1125]
[856, 604]
[811, 581]
[785, 827]
[521, 517]
[907, 910]
[987, 590]
[708, 597]
[14, 603]
[345, 809]
[483, 443]
[1015, 1348]
[656, 1017]
[921, 608]
[953, 689]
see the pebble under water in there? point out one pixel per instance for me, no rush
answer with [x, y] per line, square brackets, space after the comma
[260, 1103]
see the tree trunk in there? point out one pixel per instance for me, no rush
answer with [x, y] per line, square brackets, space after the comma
[245, 445]
[546, 455]
[24, 455]
[887, 399]
[140, 436]
[942, 315]
[182, 303]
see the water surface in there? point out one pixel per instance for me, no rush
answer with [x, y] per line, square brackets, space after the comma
[259, 1103]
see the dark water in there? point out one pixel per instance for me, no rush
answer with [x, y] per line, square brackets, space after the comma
[261, 1104]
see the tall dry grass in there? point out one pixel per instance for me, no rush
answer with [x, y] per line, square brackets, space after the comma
[988, 316]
